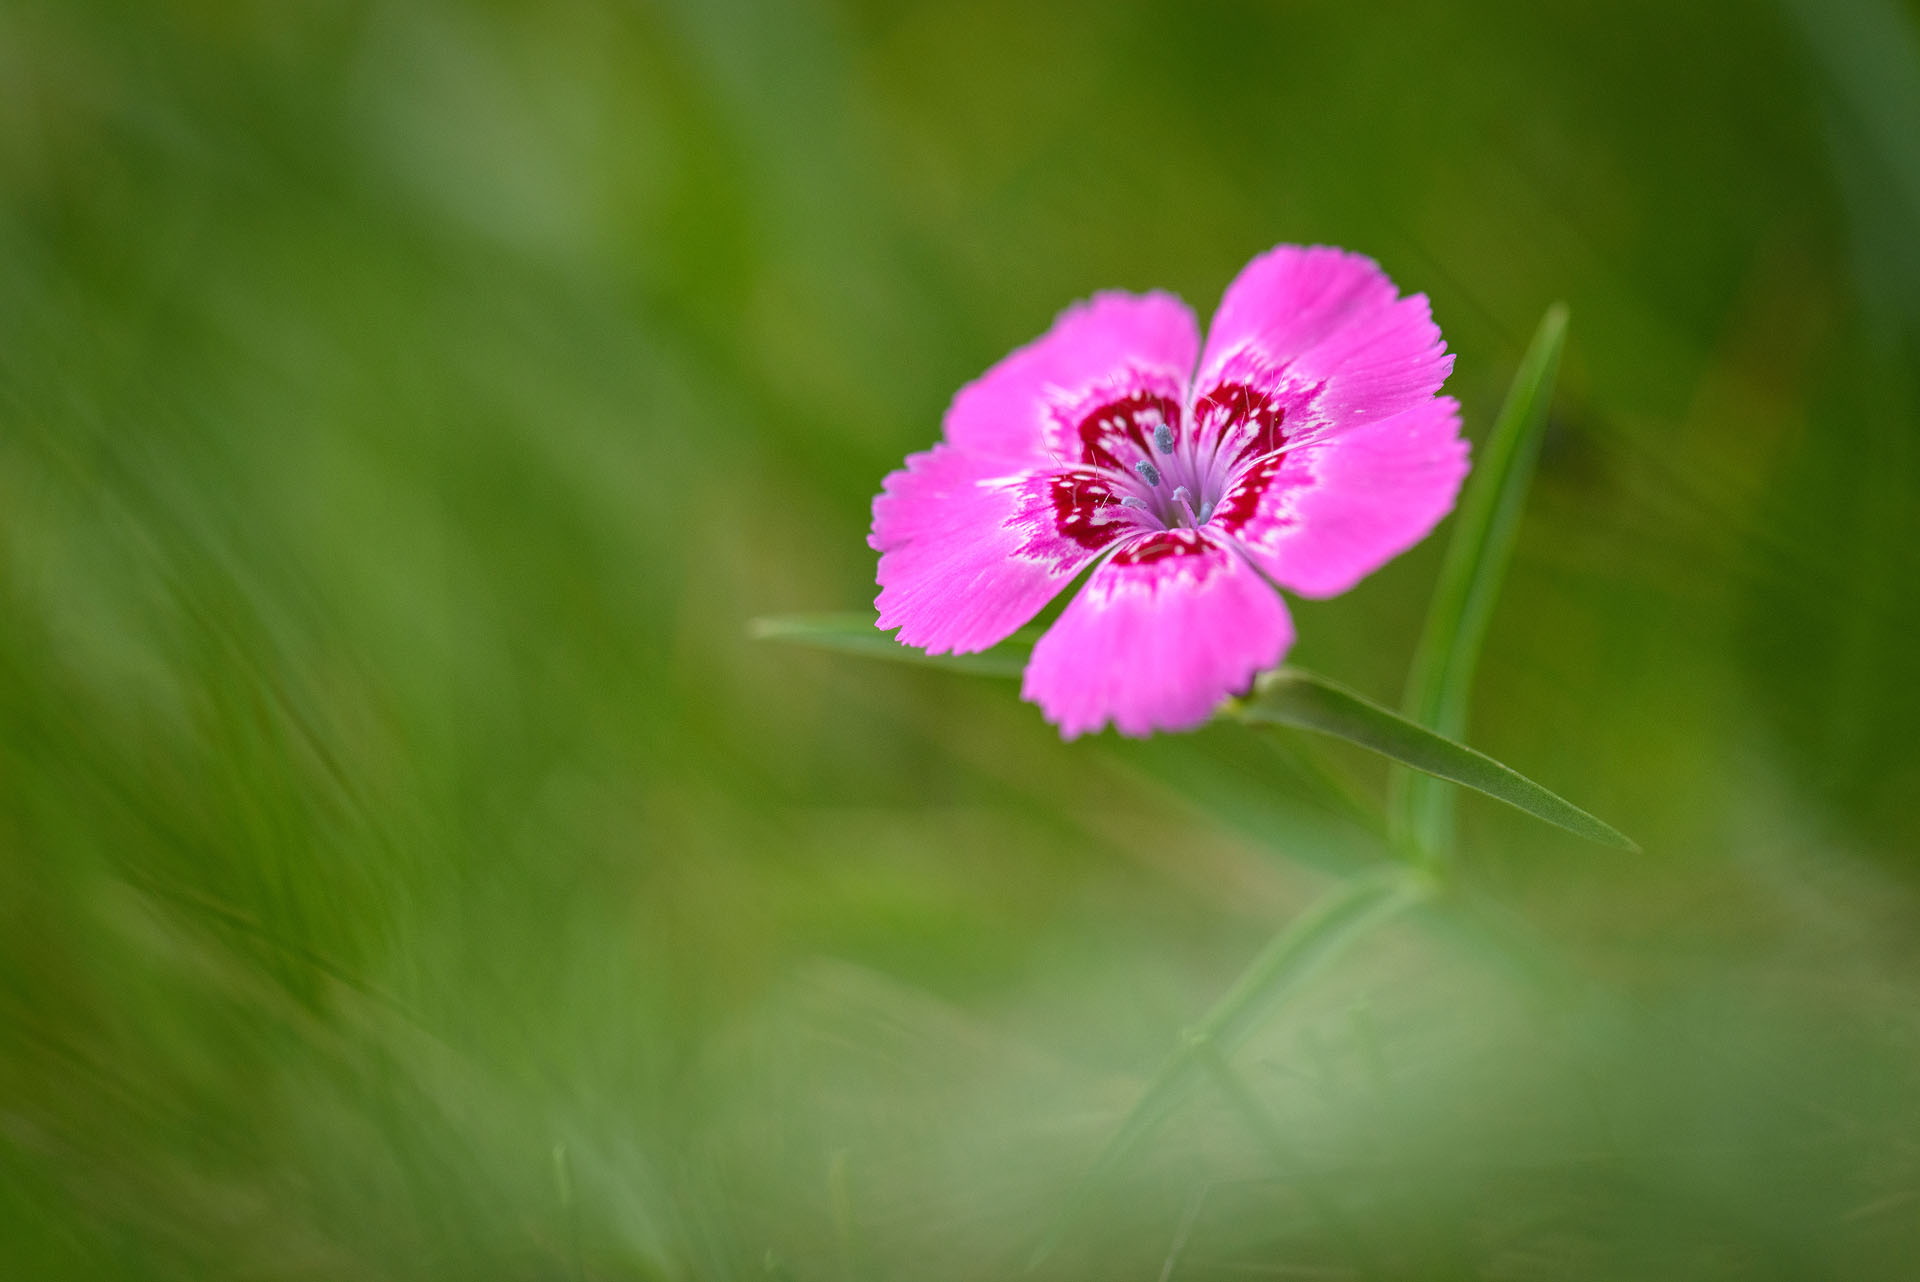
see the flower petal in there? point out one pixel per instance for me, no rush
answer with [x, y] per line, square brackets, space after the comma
[980, 533]
[1169, 626]
[1329, 511]
[970, 550]
[1114, 348]
[1322, 334]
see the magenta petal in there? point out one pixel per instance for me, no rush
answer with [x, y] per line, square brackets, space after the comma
[980, 533]
[1324, 330]
[1309, 450]
[1339, 507]
[970, 550]
[1163, 631]
[1115, 345]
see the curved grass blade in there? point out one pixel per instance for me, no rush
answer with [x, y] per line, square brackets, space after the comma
[1286, 1163]
[1295, 697]
[1316, 936]
[1440, 683]
[856, 634]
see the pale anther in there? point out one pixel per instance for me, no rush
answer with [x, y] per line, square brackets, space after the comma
[1148, 472]
[1163, 439]
[1130, 501]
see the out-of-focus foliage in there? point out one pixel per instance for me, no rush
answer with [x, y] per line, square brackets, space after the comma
[409, 867]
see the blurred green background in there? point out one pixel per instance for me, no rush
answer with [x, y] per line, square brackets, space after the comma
[408, 868]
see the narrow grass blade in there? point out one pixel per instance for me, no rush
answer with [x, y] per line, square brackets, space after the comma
[1294, 697]
[1315, 937]
[1440, 682]
[856, 634]
[1287, 1164]
[1342, 916]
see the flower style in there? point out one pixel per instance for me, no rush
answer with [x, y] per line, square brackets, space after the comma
[1310, 447]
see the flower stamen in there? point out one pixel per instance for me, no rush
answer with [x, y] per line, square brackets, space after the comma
[1148, 472]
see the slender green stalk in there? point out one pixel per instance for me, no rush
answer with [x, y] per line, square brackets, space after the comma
[563, 1183]
[1184, 1233]
[840, 1196]
[1265, 1130]
[1420, 810]
[1327, 928]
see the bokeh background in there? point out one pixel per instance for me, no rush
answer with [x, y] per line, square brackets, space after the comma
[409, 868]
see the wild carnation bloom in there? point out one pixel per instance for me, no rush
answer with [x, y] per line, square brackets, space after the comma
[1310, 448]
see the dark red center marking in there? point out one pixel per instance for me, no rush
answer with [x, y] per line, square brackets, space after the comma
[1161, 547]
[1232, 405]
[1237, 506]
[1116, 434]
[1077, 500]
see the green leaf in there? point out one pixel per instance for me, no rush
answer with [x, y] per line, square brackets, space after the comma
[1440, 683]
[858, 634]
[1332, 923]
[1294, 697]
[1287, 696]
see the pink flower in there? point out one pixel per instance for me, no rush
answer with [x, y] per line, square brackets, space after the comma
[1311, 447]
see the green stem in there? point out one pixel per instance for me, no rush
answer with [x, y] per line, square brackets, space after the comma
[1420, 811]
[1344, 915]
[1271, 1138]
